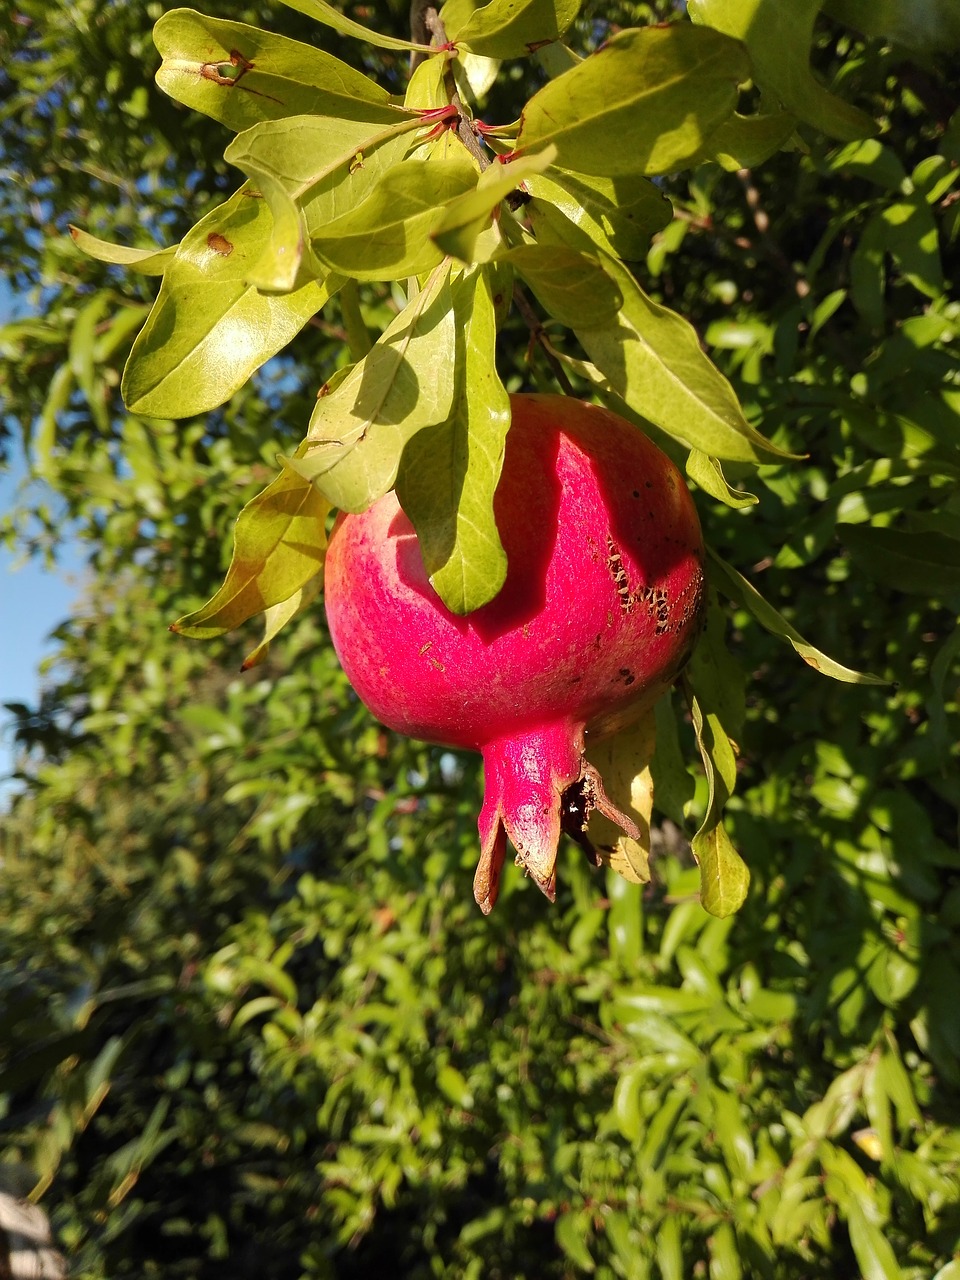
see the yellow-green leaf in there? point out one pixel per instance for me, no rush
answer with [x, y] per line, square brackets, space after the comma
[279, 546]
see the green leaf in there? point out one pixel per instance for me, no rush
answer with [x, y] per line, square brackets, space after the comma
[875, 1257]
[653, 360]
[209, 330]
[778, 37]
[276, 617]
[715, 674]
[928, 563]
[572, 286]
[240, 75]
[743, 142]
[312, 170]
[466, 217]
[571, 1229]
[708, 474]
[724, 876]
[932, 26]
[645, 103]
[405, 383]
[623, 762]
[507, 28]
[619, 214]
[673, 784]
[389, 235]
[323, 12]
[151, 262]
[736, 587]
[449, 472]
[279, 545]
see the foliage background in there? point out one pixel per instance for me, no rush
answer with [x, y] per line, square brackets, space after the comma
[249, 1013]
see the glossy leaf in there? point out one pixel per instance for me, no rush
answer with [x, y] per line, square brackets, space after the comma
[389, 235]
[209, 330]
[332, 17]
[623, 763]
[778, 37]
[449, 472]
[736, 587]
[405, 383]
[619, 215]
[279, 545]
[507, 28]
[240, 75]
[151, 262]
[645, 103]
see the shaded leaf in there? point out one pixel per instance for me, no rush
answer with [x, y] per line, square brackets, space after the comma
[743, 142]
[279, 545]
[276, 617]
[358, 432]
[673, 784]
[572, 286]
[467, 216]
[928, 562]
[209, 330]
[449, 472]
[388, 236]
[645, 103]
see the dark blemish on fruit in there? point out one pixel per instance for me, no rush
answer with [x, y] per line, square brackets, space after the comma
[636, 493]
[648, 484]
[619, 575]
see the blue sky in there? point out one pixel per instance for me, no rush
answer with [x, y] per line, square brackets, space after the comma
[33, 600]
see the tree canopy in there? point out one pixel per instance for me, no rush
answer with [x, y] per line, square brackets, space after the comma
[250, 1016]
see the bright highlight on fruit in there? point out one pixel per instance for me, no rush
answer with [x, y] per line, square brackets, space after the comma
[598, 614]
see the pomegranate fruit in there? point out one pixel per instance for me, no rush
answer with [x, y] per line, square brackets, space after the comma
[599, 611]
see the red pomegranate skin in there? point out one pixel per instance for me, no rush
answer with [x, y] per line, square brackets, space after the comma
[599, 611]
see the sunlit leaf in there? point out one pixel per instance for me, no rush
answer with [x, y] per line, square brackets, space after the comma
[507, 28]
[736, 587]
[653, 360]
[779, 37]
[645, 103]
[618, 214]
[724, 876]
[151, 262]
[332, 17]
[623, 763]
[279, 545]
[209, 330]
[743, 142]
[708, 474]
[240, 75]
[449, 472]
